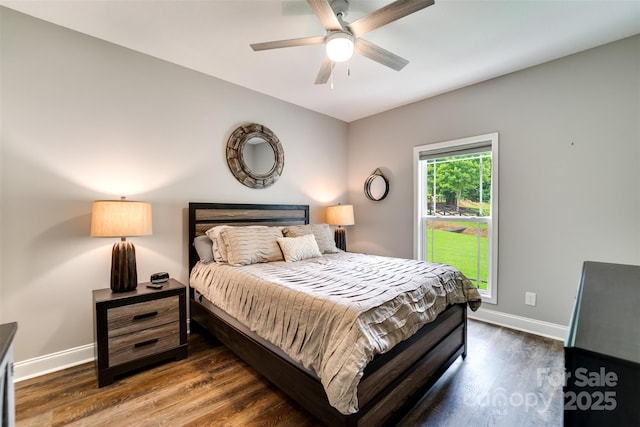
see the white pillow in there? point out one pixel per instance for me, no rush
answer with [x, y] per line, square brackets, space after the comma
[250, 245]
[322, 233]
[299, 248]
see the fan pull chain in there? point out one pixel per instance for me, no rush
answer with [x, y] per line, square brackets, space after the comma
[331, 76]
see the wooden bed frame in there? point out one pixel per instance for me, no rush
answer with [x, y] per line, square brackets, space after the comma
[392, 383]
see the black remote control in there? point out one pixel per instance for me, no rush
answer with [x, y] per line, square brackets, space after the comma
[155, 285]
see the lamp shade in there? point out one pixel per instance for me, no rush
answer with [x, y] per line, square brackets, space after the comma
[340, 215]
[120, 218]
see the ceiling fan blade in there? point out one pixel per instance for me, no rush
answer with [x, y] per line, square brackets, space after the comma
[380, 55]
[288, 43]
[389, 13]
[325, 14]
[325, 71]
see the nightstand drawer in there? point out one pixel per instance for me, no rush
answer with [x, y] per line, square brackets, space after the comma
[143, 315]
[125, 348]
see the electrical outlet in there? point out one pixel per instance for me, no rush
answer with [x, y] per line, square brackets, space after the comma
[530, 298]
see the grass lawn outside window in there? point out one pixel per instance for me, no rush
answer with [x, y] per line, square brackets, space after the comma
[459, 248]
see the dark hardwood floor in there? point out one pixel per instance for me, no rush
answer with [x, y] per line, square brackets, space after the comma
[509, 378]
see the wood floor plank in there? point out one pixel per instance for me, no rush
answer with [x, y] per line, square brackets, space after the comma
[212, 387]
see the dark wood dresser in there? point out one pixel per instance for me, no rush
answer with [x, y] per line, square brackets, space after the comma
[7, 393]
[602, 349]
[139, 328]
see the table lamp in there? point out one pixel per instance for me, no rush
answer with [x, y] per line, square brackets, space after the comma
[121, 218]
[340, 215]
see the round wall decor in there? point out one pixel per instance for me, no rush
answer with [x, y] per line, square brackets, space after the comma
[255, 156]
[376, 186]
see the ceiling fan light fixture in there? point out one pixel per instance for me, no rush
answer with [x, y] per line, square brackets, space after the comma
[339, 46]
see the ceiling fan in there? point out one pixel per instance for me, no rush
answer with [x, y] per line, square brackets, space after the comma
[343, 38]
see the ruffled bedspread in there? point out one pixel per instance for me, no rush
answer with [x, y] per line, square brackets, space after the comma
[334, 313]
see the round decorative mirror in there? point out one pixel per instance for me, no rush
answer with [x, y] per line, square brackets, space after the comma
[376, 186]
[255, 155]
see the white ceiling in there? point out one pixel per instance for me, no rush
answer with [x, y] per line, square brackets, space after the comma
[452, 44]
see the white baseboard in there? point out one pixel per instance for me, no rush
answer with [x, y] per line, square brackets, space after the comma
[532, 326]
[48, 363]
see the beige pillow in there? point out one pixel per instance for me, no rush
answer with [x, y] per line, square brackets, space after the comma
[250, 245]
[217, 245]
[322, 233]
[299, 248]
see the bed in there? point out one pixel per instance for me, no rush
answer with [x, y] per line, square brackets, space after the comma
[391, 381]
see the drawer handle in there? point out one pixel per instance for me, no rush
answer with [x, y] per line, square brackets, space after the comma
[143, 343]
[145, 315]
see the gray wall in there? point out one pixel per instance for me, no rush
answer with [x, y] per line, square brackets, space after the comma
[83, 119]
[569, 171]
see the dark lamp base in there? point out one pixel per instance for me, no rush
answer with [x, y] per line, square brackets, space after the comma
[124, 275]
[340, 238]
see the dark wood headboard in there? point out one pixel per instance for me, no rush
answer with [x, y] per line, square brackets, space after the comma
[203, 216]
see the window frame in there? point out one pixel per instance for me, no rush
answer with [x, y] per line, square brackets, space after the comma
[450, 148]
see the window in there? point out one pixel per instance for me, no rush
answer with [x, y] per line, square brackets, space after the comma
[456, 208]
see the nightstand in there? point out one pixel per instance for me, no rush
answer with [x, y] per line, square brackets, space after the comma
[136, 329]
